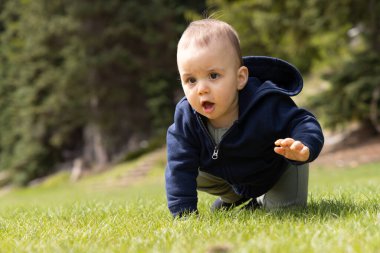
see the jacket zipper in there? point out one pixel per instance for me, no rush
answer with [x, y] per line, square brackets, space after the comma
[215, 154]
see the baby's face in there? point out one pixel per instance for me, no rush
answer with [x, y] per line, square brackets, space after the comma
[211, 78]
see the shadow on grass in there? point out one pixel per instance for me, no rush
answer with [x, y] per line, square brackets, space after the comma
[329, 209]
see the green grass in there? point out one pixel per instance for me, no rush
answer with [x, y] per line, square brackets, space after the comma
[343, 215]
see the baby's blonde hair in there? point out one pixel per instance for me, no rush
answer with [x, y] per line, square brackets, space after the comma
[202, 32]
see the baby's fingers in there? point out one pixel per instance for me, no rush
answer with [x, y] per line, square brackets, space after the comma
[292, 149]
[305, 151]
[284, 142]
[280, 151]
[297, 145]
[278, 142]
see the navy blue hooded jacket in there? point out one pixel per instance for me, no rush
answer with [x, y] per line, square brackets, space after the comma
[244, 157]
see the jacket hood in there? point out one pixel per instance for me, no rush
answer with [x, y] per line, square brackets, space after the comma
[274, 73]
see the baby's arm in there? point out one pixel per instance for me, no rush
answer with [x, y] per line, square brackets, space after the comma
[299, 137]
[180, 176]
[292, 149]
[182, 165]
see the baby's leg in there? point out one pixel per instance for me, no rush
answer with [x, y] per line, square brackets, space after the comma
[290, 190]
[216, 186]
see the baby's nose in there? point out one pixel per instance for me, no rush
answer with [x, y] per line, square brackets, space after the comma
[203, 87]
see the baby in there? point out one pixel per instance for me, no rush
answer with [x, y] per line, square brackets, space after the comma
[237, 134]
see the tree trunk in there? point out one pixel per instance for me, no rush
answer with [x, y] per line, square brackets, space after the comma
[94, 152]
[374, 109]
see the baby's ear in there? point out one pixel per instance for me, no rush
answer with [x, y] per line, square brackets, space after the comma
[242, 77]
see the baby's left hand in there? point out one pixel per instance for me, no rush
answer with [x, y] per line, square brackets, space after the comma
[292, 149]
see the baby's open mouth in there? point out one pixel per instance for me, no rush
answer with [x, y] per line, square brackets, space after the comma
[208, 106]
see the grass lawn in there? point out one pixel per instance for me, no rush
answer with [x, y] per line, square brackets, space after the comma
[343, 215]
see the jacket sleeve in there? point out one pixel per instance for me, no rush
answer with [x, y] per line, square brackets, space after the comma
[182, 166]
[301, 125]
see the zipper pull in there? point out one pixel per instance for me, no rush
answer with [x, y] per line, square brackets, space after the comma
[215, 154]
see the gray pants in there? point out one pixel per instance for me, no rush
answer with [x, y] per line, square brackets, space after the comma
[290, 190]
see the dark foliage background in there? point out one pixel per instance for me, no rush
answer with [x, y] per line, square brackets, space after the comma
[97, 80]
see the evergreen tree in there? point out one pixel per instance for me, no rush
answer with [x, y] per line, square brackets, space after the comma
[355, 83]
[33, 103]
[83, 79]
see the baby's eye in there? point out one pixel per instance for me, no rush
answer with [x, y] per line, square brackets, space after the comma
[214, 76]
[191, 80]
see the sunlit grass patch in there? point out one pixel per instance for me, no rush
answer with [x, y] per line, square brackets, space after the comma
[343, 215]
